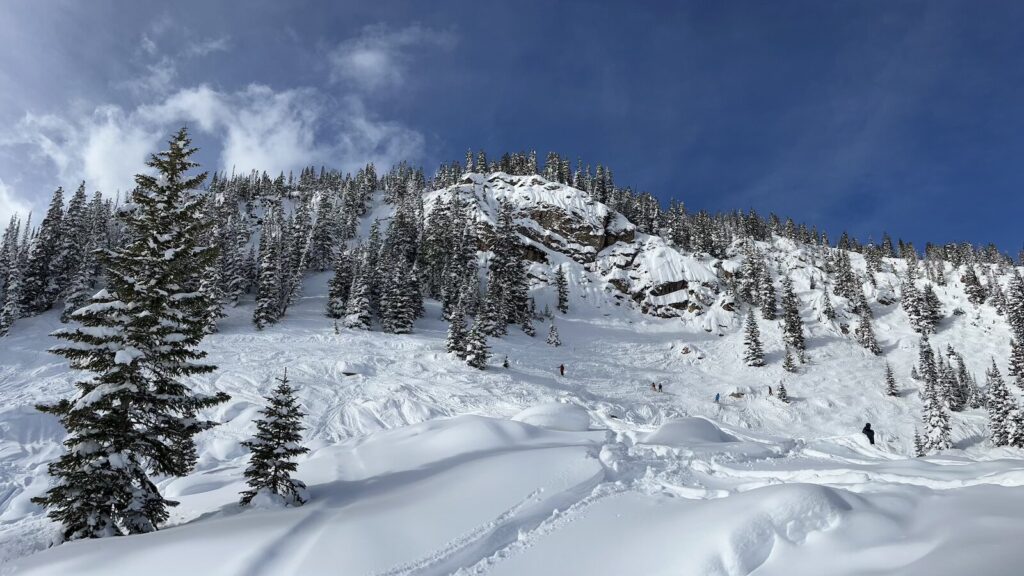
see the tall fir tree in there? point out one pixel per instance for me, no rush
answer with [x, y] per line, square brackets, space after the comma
[562, 289]
[866, 334]
[553, 337]
[134, 415]
[39, 286]
[890, 382]
[276, 445]
[476, 351]
[793, 327]
[1001, 406]
[754, 355]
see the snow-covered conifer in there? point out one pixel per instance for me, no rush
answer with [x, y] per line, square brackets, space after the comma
[476, 352]
[754, 355]
[134, 415]
[1001, 406]
[890, 382]
[278, 442]
[783, 394]
[562, 287]
[553, 338]
[793, 327]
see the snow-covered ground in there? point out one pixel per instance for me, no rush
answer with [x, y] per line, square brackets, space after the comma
[422, 465]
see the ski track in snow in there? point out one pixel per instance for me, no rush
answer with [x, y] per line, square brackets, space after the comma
[356, 385]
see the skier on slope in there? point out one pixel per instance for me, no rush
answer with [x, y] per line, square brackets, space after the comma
[561, 369]
[869, 432]
[718, 396]
[660, 389]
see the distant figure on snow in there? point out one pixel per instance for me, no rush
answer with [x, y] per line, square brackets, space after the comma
[561, 369]
[504, 363]
[770, 391]
[654, 388]
[718, 396]
[869, 432]
[659, 388]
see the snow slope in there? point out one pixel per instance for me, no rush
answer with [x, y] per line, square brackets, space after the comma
[422, 465]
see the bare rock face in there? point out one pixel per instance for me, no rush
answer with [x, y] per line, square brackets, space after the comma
[560, 223]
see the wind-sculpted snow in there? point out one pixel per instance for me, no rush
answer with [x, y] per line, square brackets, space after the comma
[421, 465]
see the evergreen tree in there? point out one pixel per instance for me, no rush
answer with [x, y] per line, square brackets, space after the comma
[553, 339]
[972, 286]
[788, 364]
[793, 328]
[138, 338]
[890, 382]
[357, 308]
[562, 286]
[39, 287]
[1001, 406]
[268, 282]
[936, 420]
[456, 341]
[274, 448]
[754, 355]
[476, 352]
[339, 285]
[766, 294]
[397, 306]
[918, 444]
[827, 310]
[866, 334]
[783, 394]
[926, 362]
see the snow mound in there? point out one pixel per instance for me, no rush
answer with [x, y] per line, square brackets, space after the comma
[687, 431]
[556, 416]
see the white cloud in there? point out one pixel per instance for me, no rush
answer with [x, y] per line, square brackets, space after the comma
[257, 127]
[10, 204]
[379, 57]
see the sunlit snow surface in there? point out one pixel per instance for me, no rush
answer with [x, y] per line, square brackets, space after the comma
[422, 465]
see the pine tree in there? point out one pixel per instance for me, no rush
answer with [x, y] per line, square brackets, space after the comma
[553, 339]
[936, 420]
[1001, 406]
[1016, 361]
[274, 448]
[39, 287]
[269, 281]
[210, 287]
[890, 382]
[788, 364]
[793, 328]
[783, 395]
[138, 338]
[339, 285]
[357, 309]
[456, 341]
[562, 286]
[926, 362]
[527, 324]
[476, 352]
[754, 355]
[918, 444]
[827, 310]
[766, 294]
[866, 334]
[972, 286]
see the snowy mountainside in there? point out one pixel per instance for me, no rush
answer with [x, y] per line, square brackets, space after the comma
[421, 464]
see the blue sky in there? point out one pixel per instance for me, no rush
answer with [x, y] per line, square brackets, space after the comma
[867, 116]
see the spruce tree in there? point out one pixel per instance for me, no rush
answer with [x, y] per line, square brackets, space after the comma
[793, 328]
[357, 309]
[890, 382]
[766, 294]
[972, 286]
[456, 340]
[274, 448]
[339, 285]
[269, 281]
[754, 355]
[866, 334]
[476, 352]
[827, 310]
[134, 415]
[1001, 406]
[936, 420]
[553, 339]
[788, 364]
[783, 394]
[926, 362]
[918, 444]
[562, 286]
[39, 287]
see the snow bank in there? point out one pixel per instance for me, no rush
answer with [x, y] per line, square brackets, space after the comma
[687, 431]
[556, 416]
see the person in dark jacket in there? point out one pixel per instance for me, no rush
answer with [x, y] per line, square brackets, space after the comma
[561, 369]
[660, 389]
[869, 432]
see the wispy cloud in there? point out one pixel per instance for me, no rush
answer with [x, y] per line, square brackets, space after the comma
[379, 57]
